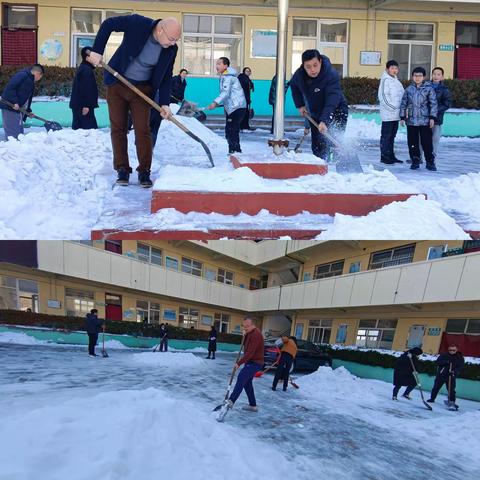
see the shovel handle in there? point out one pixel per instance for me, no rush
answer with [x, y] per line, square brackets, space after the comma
[23, 110]
[326, 134]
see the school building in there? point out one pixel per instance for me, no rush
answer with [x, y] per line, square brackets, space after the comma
[377, 294]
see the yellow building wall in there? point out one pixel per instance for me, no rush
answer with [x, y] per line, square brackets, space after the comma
[367, 28]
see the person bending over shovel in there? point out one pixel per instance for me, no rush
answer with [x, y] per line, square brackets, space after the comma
[19, 92]
[145, 57]
[316, 84]
[253, 360]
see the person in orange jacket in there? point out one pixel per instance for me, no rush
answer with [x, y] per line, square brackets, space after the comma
[287, 356]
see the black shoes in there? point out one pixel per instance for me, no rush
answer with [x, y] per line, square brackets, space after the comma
[431, 166]
[430, 400]
[123, 176]
[144, 179]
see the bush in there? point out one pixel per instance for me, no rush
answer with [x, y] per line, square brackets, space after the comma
[135, 329]
[358, 90]
[370, 357]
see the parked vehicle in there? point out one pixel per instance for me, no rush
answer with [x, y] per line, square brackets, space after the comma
[309, 356]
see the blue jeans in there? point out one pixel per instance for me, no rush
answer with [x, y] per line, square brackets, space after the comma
[244, 381]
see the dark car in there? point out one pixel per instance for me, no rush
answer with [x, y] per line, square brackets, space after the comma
[309, 356]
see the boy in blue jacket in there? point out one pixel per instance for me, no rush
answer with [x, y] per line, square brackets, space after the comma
[316, 84]
[419, 110]
[19, 91]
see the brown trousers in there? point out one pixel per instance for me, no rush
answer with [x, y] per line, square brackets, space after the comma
[121, 100]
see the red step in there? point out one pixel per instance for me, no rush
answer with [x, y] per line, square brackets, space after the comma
[278, 203]
[280, 170]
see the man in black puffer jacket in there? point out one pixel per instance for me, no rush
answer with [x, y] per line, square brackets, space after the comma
[403, 373]
[449, 366]
[93, 327]
[316, 84]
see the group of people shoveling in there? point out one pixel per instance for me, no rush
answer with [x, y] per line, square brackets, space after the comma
[139, 89]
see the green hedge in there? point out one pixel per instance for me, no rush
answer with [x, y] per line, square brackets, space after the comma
[15, 317]
[377, 359]
[358, 90]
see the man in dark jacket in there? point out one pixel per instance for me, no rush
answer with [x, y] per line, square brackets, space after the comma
[253, 360]
[93, 327]
[248, 87]
[316, 84]
[403, 373]
[272, 95]
[212, 342]
[145, 57]
[179, 84]
[449, 366]
[163, 338]
[84, 98]
[19, 91]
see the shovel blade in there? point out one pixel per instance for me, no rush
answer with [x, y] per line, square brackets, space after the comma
[54, 126]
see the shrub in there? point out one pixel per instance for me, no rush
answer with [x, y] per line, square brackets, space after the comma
[358, 90]
[16, 317]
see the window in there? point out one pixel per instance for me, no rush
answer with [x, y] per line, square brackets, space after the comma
[210, 274]
[169, 314]
[376, 333]
[192, 266]
[208, 37]
[328, 36]
[471, 246]
[18, 294]
[85, 25]
[329, 270]
[20, 16]
[468, 34]
[254, 284]
[78, 302]
[469, 326]
[411, 44]
[207, 320]
[393, 257]
[224, 276]
[188, 317]
[148, 312]
[149, 254]
[171, 263]
[264, 281]
[319, 331]
[436, 252]
[221, 323]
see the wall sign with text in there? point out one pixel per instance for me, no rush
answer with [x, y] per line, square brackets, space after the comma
[264, 43]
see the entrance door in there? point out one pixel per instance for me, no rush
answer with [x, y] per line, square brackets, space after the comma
[113, 307]
[19, 34]
[415, 336]
[467, 50]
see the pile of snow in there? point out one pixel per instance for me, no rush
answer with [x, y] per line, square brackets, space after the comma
[169, 359]
[133, 435]
[252, 155]
[20, 339]
[340, 392]
[113, 344]
[228, 179]
[413, 219]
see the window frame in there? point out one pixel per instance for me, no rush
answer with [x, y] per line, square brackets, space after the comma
[189, 310]
[7, 5]
[222, 278]
[22, 293]
[149, 310]
[222, 320]
[202, 266]
[392, 250]
[150, 254]
[212, 36]
[88, 299]
[328, 274]
[319, 43]
[320, 334]
[369, 335]
[465, 328]
[431, 43]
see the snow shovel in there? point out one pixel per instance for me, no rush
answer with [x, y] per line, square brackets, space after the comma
[419, 385]
[190, 109]
[158, 346]
[48, 124]
[218, 407]
[299, 143]
[157, 107]
[348, 162]
[104, 352]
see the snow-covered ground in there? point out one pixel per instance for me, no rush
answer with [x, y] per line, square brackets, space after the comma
[65, 415]
[59, 185]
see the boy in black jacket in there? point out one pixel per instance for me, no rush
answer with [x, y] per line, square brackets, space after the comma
[84, 98]
[449, 366]
[444, 100]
